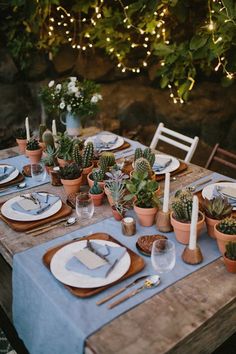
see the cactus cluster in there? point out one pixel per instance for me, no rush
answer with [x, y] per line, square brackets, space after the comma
[146, 154]
[71, 171]
[227, 226]
[217, 208]
[107, 159]
[32, 144]
[96, 189]
[87, 156]
[76, 155]
[182, 205]
[47, 138]
[98, 174]
[42, 129]
[141, 165]
[231, 250]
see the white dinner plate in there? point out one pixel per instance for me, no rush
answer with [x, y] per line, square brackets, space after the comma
[172, 166]
[207, 191]
[13, 175]
[9, 213]
[68, 277]
[106, 137]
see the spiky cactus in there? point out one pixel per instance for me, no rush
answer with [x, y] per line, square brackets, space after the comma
[77, 155]
[42, 129]
[32, 144]
[227, 226]
[138, 153]
[96, 189]
[48, 139]
[142, 165]
[146, 153]
[109, 158]
[98, 174]
[87, 156]
[217, 208]
[182, 205]
[231, 250]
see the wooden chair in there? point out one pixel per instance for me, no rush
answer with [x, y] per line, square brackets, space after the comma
[221, 156]
[190, 149]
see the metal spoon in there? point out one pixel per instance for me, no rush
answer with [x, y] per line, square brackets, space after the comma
[70, 221]
[149, 283]
[18, 186]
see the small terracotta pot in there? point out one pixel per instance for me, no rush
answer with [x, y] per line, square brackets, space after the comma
[97, 198]
[63, 163]
[34, 155]
[210, 223]
[230, 264]
[85, 172]
[71, 185]
[182, 230]
[91, 181]
[116, 214]
[223, 239]
[146, 216]
[22, 145]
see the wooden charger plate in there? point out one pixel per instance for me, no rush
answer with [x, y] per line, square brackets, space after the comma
[137, 264]
[16, 180]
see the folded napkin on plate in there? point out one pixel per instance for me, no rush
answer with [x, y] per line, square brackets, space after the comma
[6, 171]
[95, 268]
[41, 203]
[161, 163]
[105, 141]
[226, 192]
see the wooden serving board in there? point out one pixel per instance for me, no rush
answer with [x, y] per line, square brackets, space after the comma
[137, 264]
[182, 167]
[23, 226]
[16, 180]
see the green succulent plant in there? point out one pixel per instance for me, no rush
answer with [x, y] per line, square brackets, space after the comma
[71, 171]
[231, 250]
[227, 226]
[32, 144]
[117, 188]
[20, 133]
[65, 146]
[50, 158]
[142, 165]
[181, 205]
[98, 174]
[217, 208]
[146, 154]
[107, 158]
[47, 138]
[96, 189]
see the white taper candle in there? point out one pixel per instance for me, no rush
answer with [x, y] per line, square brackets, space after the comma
[54, 127]
[193, 227]
[166, 193]
[27, 128]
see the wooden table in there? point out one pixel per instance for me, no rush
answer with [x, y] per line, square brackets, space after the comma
[195, 315]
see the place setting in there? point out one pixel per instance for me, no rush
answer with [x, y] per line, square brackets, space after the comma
[106, 141]
[225, 190]
[28, 211]
[9, 176]
[167, 164]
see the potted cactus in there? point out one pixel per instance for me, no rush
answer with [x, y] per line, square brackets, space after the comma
[146, 154]
[33, 151]
[71, 178]
[64, 149]
[225, 231]
[142, 165]
[84, 158]
[143, 193]
[215, 209]
[230, 257]
[97, 175]
[20, 136]
[96, 193]
[181, 214]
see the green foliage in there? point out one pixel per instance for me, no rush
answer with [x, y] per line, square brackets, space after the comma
[65, 146]
[227, 226]
[20, 133]
[50, 158]
[181, 205]
[107, 159]
[142, 165]
[117, 188]
[87, 156]
[71, 171]
[32, 144]
[96, 189]
[231, 250]
[98, 174]
[77, 157]
[217, 208]
[146, 153]
[48, 138]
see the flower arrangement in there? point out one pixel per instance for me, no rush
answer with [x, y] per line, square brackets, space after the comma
[71, 96]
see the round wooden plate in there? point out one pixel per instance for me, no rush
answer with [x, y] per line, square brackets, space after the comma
[144, 243]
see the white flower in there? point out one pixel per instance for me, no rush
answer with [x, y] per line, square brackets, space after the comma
[96, 97]
[68, 108]
[62, 105]
[58, 87]
[73, 78]
[51, 83]
[78, 94]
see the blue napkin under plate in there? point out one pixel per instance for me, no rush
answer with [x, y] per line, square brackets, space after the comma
[161, 164]
[6, 171]
[43, 202]
[111, 254]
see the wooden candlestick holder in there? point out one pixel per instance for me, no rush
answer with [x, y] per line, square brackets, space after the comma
[192, 256]
[163, 221]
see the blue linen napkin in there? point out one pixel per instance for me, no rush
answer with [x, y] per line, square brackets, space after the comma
[45, 201]
[111, 254]
[161, 164]
[100, 143]
[6, 171]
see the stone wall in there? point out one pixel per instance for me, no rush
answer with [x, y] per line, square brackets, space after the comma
[131, 104]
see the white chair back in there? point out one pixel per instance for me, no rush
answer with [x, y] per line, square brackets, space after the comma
[190, 149]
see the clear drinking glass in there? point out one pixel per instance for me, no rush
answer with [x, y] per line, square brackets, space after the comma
[84, 206]
[163, 255]
[38, 172]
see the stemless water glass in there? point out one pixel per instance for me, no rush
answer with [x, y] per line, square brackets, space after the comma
[84, 206]
[38, 172]
[163, 255]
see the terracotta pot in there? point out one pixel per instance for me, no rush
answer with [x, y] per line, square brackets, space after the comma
[91, 181]
[210, 223]
[182, 230]
[22, 145]
[222, 239]
[116, 214]
[85, 172]
[34, 155]
[71, 185]
[63, 163]
[230, 264]
[97, 198]
[146, 216]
